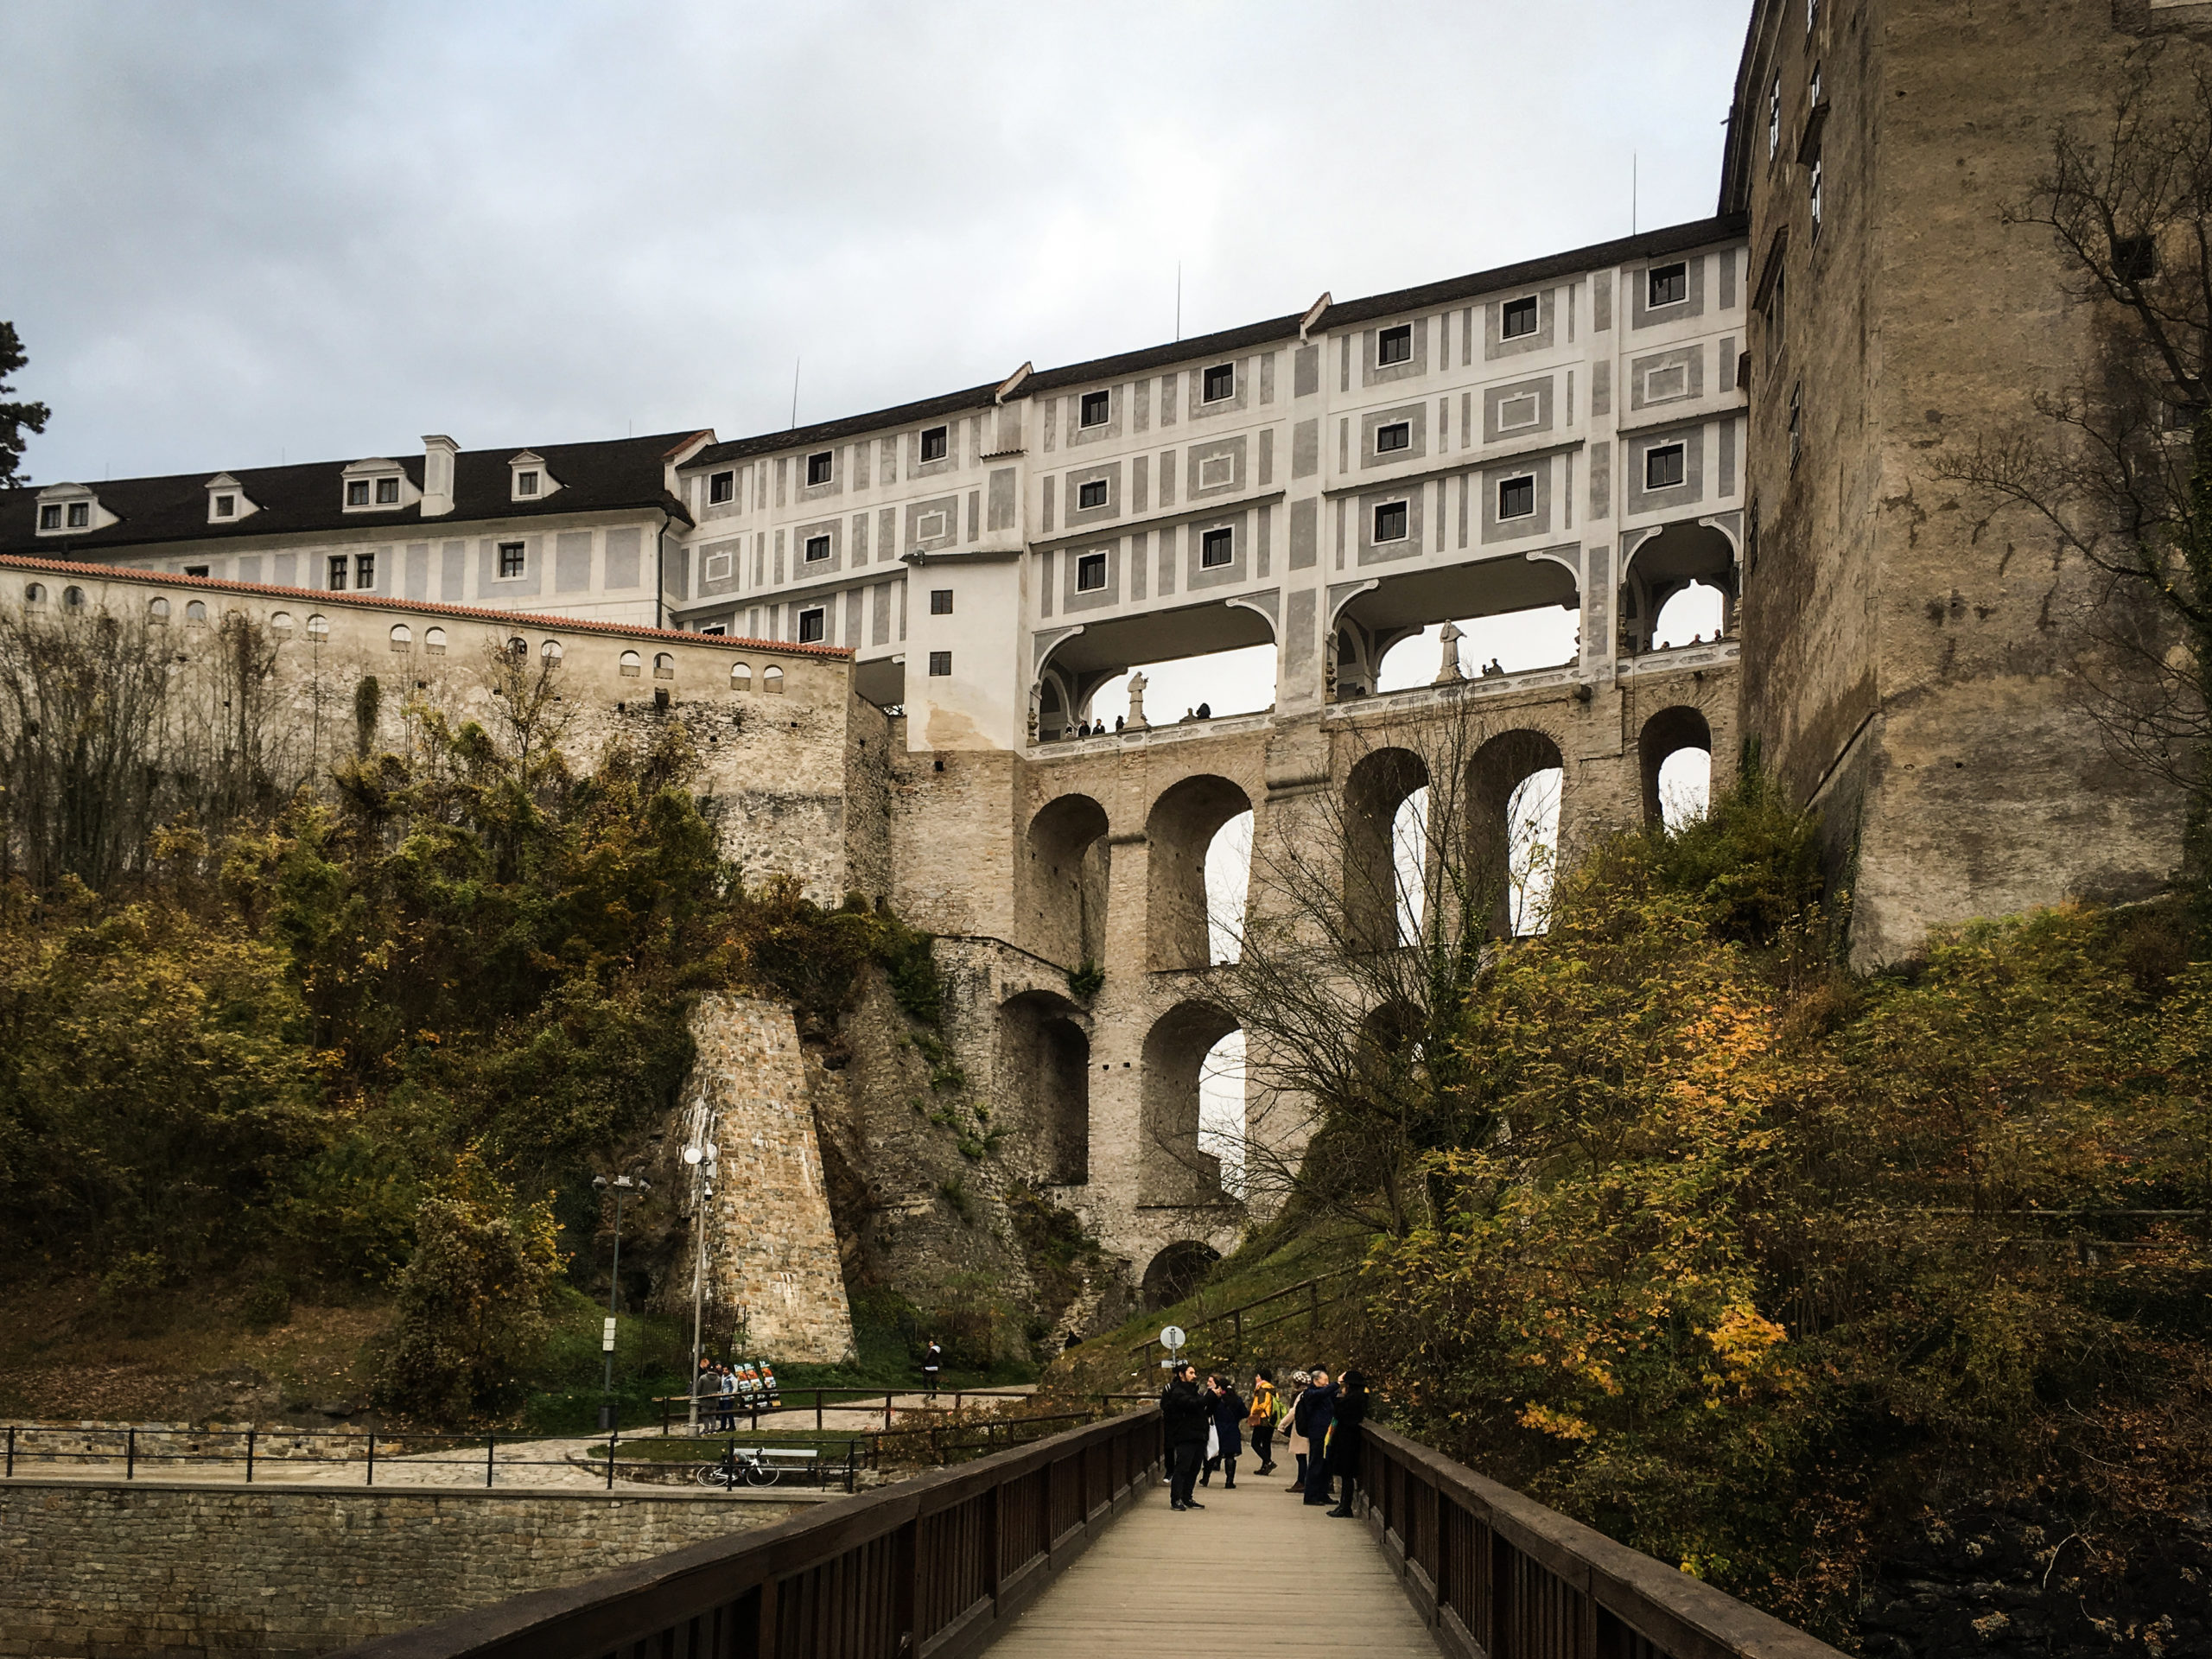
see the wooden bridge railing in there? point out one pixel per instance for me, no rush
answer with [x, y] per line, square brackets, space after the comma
[1499, 1574]
[928, 1569]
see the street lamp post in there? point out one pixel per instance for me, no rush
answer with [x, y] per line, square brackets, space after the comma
[703, 1154]
[623, 1185]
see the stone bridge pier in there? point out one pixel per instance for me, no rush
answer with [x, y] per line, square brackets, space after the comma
[1086, 914]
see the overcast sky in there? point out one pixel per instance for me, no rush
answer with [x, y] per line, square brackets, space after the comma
[239, 232]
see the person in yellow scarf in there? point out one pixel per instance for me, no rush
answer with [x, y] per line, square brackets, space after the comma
[1263, 1422]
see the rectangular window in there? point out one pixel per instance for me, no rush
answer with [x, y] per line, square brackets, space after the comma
[810, 624]
[817, 548]
[1399, 435]
[715, 627]
[1777, 318]
[820, 468]
[1395, 346]
[940, 664]
[1774, 119]
[365, 570]
[1669, 285]
[196, 569]
[227, 507]
[49, 516]
[1813, 197]
[1390, 522]
[1091, 493]
[936, 442]
[1796, 425]
[80, 515]
[337, 573]
[1516, 498]
[388, 490]
[940, 601]
[721, 486]
[2134, 258]
[1217, 547]
[357, 492]
[1091, 573]
[525, 484]
[511, 560]
[1517, 319]
[1812, 14]
[1221, 382]
[1097, 408]
[1662, 467]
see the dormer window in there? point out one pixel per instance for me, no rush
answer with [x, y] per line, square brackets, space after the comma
[357, 492]
[63, 508]
[527, 478]
[226, 502]
[50, 516]
[79, 514]
[375, 485]
[227, 507]
[525, 483]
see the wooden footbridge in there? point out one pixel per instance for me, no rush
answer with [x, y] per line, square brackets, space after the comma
[1060, 1546]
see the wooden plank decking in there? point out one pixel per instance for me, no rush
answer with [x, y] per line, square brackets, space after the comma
[1254, 1571]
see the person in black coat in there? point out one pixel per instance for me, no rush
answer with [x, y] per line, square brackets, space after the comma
[1185, 1415]
[1344, 1439]
[1316, 1410]
[1229, 1431]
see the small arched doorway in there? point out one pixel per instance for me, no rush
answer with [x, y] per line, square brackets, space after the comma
[1176, 1272]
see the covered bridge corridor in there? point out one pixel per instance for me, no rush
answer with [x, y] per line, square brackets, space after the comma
[1068, 1547]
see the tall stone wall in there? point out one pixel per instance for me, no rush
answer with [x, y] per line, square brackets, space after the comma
[114, 1570]
[771, 1248]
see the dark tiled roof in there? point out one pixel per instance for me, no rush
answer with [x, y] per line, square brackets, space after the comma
[800, 437]
[316, 598]
[1155, 357]
[306, 499]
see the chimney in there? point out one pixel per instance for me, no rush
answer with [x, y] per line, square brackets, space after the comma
[438, 452]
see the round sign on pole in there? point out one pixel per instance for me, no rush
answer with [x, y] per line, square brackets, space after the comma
[1171, 1337]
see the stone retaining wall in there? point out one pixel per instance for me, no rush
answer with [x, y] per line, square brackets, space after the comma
[106, 1570]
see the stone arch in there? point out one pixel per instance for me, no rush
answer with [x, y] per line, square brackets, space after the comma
[1065, 868]
[1379, 783]
[1171, 1170]
[1499, 767]
[1665, 562]
[1180, 829]
[1045, 1064]
[1176, 1272]
[1667, 732]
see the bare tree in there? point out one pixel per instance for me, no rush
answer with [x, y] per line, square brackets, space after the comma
[2117, 469]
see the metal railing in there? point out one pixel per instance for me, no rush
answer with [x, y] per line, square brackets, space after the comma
[673, 1406]
[1306, 1295]
[930, 1569]
[1498, 1574]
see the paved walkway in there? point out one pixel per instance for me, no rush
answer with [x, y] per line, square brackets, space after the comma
[1254, 1571]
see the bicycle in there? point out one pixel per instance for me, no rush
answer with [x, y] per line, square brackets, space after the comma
[747, 1464]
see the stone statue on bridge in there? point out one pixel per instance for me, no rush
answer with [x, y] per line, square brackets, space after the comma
[1448, 670]
[1137, 683]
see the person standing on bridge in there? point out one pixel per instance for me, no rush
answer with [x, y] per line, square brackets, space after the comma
[1229, 1431]
[1347, 1429]
[1293, 1437]
[1184, 1418]
[1263, 1422]
[1317, 1409]
[932, 1367]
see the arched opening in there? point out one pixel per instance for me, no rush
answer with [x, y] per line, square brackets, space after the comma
[1045, 1061]
[1221, 1109]
[1679, 558]
[740, 677]
[1176, 1272]
[1171, 1168]
[1065, 878]
[1381, 893]
[1179, 833]
[1549, 636]
[1228, 881]
[1691, 616]
[1676, 748]
[1202, 661]
[1513, 801]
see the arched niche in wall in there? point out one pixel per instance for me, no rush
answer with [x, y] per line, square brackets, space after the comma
[1171, 1170]
[1064, 877]
[1380, 783]
[1179, 830]
[1501, 767]
[1045, 1066]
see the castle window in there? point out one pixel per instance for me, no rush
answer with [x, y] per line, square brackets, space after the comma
[227, 507]
[632, 663]
[49, 516]
[1395, 346]
[388, 492]
[318, 628]
[551, 651]
[772, 681]
[365, 570]
[1220, 381]
[73, 599]
[1668, 285]
[1812, 14]
[663, 666]
[740, 677]
[157, 611]
[940, 601]
[80, 514]
[195, 612]
[936, 442]
[1217, 547]
[1091, 493]
[357, 492]
[1091, 573]
[1399, 435]
[433, 641]
[525, 484]
[1777, 318]
[1796, 423]
[810, 626]
[1097, 408]
[1774, 119]
[513, 556]
[2134, 258]
[817, 548]
[1390, 522]
[1813, 197]
[1516, 498]
[716, 628]
[721, 486]
[1662, 467]
[940, 664]
[336, 581]
[280, 624]
[33, 594]
[402, 636]
[196, 569]
[1517, 319]
[820, 468]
